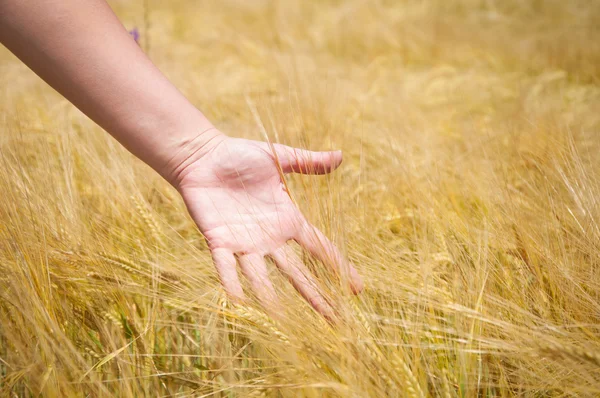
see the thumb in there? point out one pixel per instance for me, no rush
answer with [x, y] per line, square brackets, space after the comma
[294, 160]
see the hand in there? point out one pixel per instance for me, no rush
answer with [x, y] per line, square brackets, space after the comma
[237, 196]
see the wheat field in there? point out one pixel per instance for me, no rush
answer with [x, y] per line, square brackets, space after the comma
[469, 199]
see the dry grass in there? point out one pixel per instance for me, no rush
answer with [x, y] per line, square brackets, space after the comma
[469, 200]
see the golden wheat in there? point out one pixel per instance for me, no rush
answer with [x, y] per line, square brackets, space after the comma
[468, 199]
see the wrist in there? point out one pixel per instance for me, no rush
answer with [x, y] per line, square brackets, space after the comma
[187, 151]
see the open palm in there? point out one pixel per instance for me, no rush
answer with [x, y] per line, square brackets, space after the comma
[237, 197]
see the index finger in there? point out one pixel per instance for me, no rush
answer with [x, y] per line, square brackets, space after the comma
[325, 251]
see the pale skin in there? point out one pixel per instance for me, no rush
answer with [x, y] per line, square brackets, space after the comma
[233, 188]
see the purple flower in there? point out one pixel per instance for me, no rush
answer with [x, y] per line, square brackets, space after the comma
[135, 33]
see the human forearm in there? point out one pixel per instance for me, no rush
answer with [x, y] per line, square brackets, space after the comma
[82, 50]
